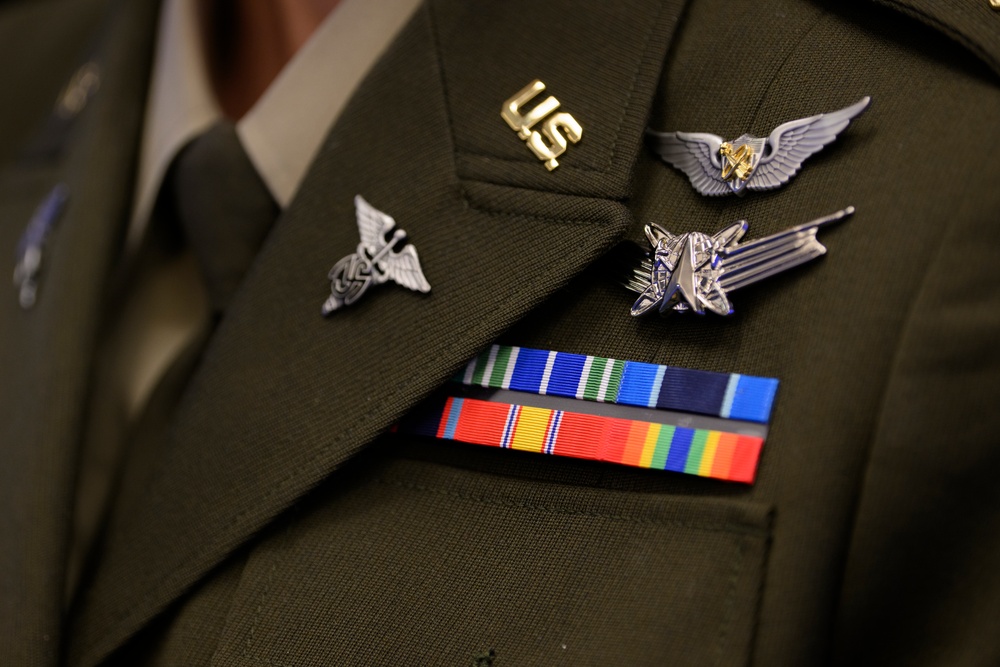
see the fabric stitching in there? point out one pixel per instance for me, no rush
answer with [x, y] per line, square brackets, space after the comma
[630, 96]
[255, 623]
[461, 152]
[726, 625]
[266, 590]
[781, 67]
[523, 216]
[945, 28]
[500, 502]
[432, 25]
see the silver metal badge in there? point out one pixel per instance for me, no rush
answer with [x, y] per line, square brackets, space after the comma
[718, 167]
[696, 271]
[384, 254]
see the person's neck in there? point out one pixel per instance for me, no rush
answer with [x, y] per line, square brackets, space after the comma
[248, 42]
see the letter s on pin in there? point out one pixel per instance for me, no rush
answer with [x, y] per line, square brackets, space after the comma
[559, 129]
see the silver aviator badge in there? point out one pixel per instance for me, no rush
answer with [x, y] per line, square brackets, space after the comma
[696, 271]
[718, 167]
[384, 254]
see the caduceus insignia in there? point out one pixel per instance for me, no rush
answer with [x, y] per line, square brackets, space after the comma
[696, 271]
[384, 254]
[718, 167]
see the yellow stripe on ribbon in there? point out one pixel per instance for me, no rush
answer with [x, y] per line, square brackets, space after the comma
[649, 446]
[529, 433]
[708, 455]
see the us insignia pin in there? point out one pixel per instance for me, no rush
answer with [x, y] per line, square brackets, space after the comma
[384, 254]
[718, 167]
[557, 129]
[696, 271]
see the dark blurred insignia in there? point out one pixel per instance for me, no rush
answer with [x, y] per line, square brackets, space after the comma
[28, 266]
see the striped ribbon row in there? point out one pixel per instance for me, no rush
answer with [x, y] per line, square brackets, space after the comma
[726, 395]
[702, 452]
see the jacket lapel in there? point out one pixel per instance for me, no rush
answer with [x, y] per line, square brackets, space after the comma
[283, 396]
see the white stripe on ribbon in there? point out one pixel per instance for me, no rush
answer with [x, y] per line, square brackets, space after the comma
[602, 392]
[547, 373]
[508, 428]
[580, 388]
[509, 372]
[550, 437]
[657, 383]
[490, 361]
[729, 396]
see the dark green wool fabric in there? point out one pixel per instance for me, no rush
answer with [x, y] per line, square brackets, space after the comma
[277, 522]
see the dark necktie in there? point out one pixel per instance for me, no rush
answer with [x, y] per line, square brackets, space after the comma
[223, 207]
[214, 197]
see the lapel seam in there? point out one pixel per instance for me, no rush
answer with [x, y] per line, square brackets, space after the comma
[470, 203]
[443, 82]
[562, 167]
[525, 216]
[945, 29]
[630, 95]
[792, 50]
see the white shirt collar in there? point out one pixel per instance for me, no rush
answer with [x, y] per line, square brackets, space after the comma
[285, 128]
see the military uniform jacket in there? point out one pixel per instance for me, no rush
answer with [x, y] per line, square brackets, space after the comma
[281, 523]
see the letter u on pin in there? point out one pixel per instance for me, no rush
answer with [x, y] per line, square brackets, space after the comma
[557, 129]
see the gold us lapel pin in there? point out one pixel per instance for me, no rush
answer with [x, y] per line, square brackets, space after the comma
[558, 128]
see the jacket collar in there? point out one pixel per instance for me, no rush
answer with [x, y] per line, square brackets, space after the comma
[972, 23]
[283, 396]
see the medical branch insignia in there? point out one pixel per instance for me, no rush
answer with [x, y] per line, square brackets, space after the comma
[696, 271]
[718, 167]
[557, 129]
[384, 254]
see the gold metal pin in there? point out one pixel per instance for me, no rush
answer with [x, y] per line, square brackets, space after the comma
[557, 129]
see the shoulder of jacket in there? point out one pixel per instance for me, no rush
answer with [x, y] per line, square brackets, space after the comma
[975, 24]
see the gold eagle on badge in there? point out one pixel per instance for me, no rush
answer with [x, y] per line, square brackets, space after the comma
[717, 167]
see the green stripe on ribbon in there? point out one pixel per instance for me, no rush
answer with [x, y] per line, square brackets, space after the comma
[693, 463]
